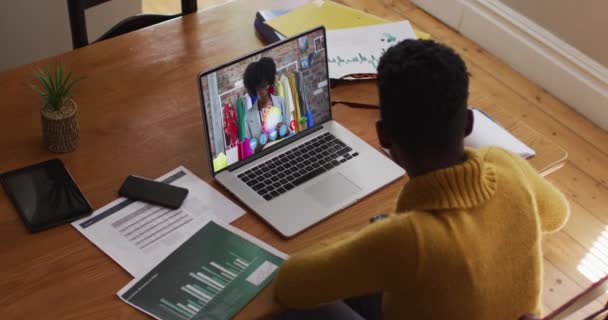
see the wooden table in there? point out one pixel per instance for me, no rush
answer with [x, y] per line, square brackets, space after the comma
[140, 113]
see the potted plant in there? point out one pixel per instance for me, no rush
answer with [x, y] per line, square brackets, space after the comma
[58, 112]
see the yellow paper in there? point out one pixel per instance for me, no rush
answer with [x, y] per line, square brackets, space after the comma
[422, 35]
[331, 14]
[316, 13]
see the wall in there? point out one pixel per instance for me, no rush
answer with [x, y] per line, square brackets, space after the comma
[31, 30]
[582, 24]
[563, 69]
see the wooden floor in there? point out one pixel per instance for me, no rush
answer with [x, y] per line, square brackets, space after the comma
[579, 252]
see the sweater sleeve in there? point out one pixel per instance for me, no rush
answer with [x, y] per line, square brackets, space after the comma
[551, 204]
[367, 261]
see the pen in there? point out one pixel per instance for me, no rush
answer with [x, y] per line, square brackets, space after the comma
[378, 217]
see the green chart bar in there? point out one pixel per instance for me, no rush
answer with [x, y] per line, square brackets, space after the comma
[211, 276]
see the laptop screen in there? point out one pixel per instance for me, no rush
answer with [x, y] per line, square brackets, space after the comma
[266, 98]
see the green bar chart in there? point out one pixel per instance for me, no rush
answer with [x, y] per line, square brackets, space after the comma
[211, 276]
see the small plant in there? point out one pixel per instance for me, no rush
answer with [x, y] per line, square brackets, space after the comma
[55, 86]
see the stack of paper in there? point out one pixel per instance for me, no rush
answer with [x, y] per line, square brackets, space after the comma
[355, 39]
[138, 235]
[188, 263]
[328, 13]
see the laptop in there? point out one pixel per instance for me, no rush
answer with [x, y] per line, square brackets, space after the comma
[273, 143]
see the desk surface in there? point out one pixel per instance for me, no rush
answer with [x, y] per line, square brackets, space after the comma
[140, 114]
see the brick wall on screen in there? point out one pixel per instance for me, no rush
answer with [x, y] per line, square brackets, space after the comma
[313, 77]
[228, 77]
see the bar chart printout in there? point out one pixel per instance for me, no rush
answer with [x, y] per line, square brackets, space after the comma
[211, 276]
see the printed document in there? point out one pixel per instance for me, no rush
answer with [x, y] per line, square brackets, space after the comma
[138, 235]
[358, 50]
[211, 276]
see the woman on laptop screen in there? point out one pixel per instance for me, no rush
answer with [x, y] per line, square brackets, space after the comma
[266, 121]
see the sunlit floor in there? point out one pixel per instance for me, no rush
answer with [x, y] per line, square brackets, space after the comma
[594, 265]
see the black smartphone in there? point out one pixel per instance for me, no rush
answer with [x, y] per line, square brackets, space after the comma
[163, 194]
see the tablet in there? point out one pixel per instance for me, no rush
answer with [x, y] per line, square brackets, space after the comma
[45, 195]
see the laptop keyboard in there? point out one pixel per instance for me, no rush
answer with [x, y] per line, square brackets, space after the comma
[296, 166]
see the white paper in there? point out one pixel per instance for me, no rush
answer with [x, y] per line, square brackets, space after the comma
[357, 50]
[486, 132]
[138, 235]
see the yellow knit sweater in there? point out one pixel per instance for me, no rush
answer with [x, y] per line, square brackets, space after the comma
[467, 245]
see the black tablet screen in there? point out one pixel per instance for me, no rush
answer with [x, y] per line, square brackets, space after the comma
[45, 194]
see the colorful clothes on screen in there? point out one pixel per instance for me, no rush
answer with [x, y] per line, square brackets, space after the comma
[255, 126]
[230, 125]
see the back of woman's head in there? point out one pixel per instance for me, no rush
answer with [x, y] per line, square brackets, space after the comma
[423, 88]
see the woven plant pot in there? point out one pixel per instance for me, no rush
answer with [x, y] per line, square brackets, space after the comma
[60, 128]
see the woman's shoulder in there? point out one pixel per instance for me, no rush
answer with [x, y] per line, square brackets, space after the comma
[252, 111]
[277, 100]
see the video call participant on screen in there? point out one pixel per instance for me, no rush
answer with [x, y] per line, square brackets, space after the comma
[465, 239]
[265, 121]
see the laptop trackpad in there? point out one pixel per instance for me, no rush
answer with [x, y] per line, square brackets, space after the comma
[333, 190]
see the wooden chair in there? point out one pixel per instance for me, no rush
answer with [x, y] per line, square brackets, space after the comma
[575, 304]
[76, 9]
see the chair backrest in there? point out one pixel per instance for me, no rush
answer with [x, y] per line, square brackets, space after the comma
[575, 304]
[76, 9]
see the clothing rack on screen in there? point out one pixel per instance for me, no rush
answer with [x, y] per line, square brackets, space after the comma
[237, 143]
[290, 86]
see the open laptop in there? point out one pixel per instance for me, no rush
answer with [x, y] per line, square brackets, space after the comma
[276, 146]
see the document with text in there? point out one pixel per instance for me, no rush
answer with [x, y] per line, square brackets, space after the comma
[138, 235]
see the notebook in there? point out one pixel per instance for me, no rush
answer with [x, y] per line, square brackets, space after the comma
[330, 14]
